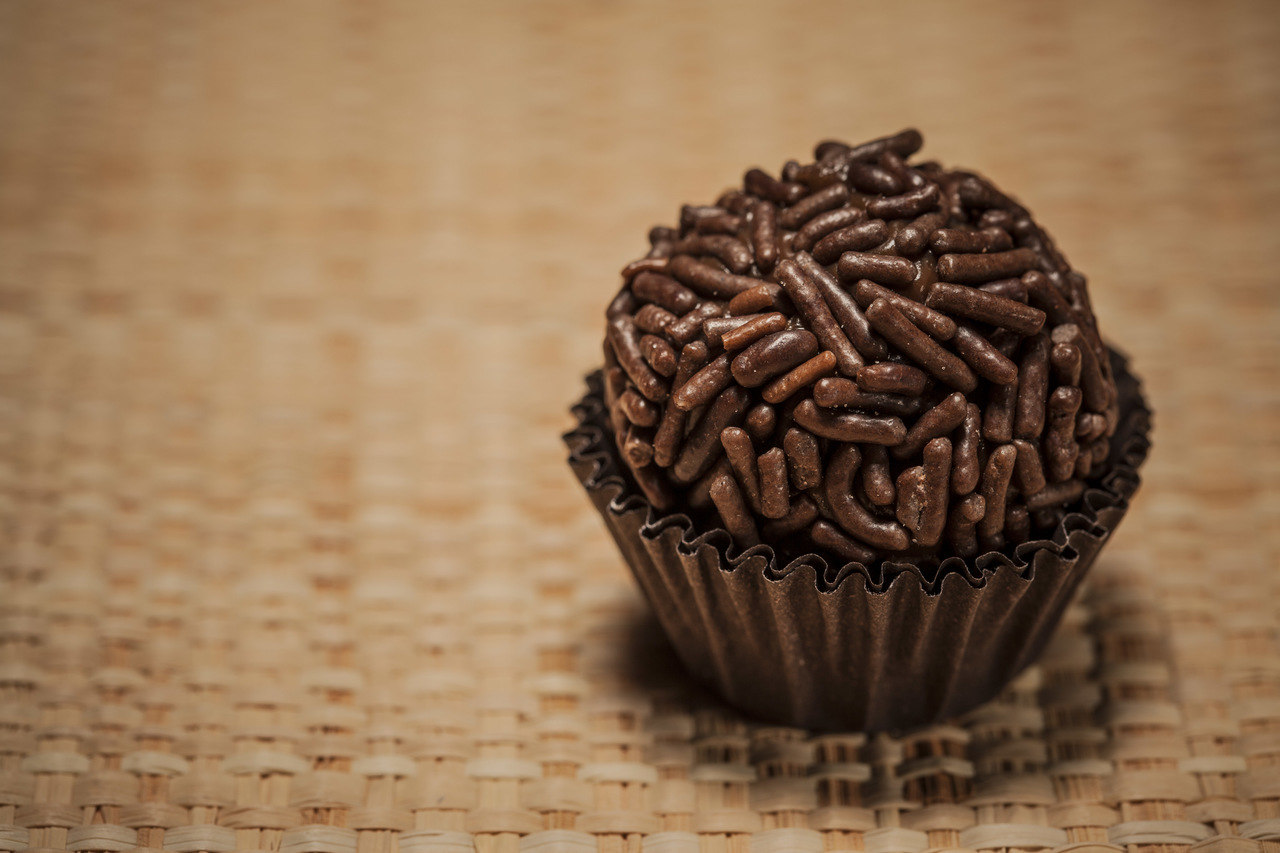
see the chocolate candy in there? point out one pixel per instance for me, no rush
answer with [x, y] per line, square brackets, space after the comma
[1097, 388]
[850, 427]
[850, 514]
[904, 144]
[761, 184]
[973, 269]
[1033, 388]
[808, 300]
[707, 280]
[804, 458]
[840, 393]
[984, 357]
[1066, 360]
[966, 465]
[636, 448]
[761, 421]
[910, 504]
[885, 270]
[759, 298]
[872, 179]
[624, 337]
[907, 205]
[918, 346]
[977, 193]
[846, 311]
[741, 454]
[670, 433]
[828, 536]
[823, 224]
[1017, 525]
[937, 475]
[624, 303]
[1060, 446]
[702, 446]
[773, 355]
[692, 214]
[1056, 494]
[1028, 468]
[877, 477]
[664, 292]
[703, 386]
[957, 300]
[633, 269]
[938, 325]
[1010, 288]
[911, 238]
[946, 240]
[638, 410]
[660, 355]
[685, 329]
[715, 328]
[907, 177]
[799, 377]
[654, 319]
[961, 524]
[737, 518]
[802, 514]
[752, 330]
[854, 238]
[889, 377]
[796, 217]
[719, 223]
[997, 420]
[775, 492]
[864, 357]
[730, 251]
[995, 489]
[764, 235]
[941, 420]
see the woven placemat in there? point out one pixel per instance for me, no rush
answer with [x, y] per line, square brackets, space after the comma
[294, 298]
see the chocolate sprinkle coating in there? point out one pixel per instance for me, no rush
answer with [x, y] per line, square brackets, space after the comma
[865, 358]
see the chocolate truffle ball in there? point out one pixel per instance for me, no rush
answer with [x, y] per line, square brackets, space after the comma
[862, 357]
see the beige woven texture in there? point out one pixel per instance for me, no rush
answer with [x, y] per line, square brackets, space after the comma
[293, 300]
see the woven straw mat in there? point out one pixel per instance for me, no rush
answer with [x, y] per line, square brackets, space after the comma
[294, 298]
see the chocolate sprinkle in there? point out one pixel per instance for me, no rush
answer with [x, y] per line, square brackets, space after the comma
[863, 357]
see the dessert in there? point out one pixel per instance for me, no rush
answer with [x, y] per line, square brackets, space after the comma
[863, 357]
[858, 437]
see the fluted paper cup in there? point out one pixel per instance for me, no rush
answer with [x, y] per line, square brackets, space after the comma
[824, 646]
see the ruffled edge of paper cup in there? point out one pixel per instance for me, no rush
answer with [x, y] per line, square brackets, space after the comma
[846, 647]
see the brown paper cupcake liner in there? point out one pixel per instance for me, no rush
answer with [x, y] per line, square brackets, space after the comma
[849, 647]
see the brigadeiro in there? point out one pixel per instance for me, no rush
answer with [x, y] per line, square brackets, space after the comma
[858, 437]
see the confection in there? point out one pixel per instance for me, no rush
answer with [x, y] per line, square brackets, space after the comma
[858, 437]
[863, 356]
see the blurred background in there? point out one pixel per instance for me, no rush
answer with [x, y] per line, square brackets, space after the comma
[294, 298]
